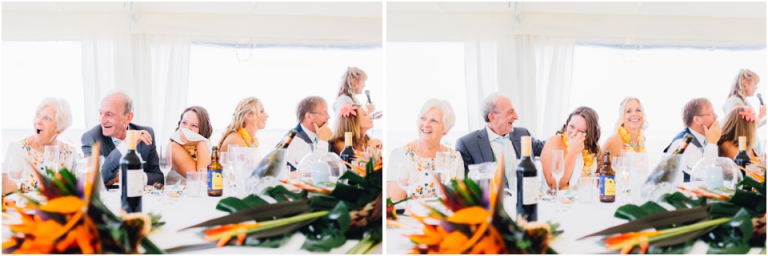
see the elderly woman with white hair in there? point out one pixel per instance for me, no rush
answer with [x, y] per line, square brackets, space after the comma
[436, 118]
[629, 128]
[52, 117]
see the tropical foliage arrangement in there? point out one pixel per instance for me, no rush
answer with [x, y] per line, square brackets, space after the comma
[479, 223]
[75, 220]
[350, 209]
[730, 223]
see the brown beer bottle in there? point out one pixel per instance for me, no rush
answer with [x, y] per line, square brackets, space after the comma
[607, 180]
[214, 177]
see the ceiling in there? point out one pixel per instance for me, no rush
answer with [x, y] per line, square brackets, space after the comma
[373, 9]
[335, 9]
[696, 9]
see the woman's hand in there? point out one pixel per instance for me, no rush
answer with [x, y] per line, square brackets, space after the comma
[186, 141]
[576, 145]
[762, 112]
[371, 108]
[375, 143]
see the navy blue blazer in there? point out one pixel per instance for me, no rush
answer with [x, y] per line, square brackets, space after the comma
[112, 156]
[475, 147]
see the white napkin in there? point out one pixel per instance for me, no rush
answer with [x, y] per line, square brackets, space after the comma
[191, 136]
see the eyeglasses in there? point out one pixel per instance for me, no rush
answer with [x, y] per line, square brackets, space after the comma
[709, 114]
[325, 113]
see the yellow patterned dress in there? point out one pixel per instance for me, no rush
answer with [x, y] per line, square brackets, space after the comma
[425, 188]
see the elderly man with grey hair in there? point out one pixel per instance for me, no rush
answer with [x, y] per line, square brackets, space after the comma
[312, 132]
[116, 113]
[499, 137]
[52, 117]
[436, 118]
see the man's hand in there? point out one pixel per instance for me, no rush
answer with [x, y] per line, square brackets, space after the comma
[712, 134]
[142, 135]
[113, 180]
[324, 132]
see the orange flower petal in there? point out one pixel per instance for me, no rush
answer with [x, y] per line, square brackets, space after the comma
[47, 229]
[67, 204]
[223, 241]
[471, 215]
[478, 234]
[217, 230]
[453, 240]
[9, 243]
[621, 238]
[65, 243]
[626, 249]
[426, 239]
[643, 244]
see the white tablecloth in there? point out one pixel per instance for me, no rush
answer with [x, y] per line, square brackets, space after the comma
[188, 211]
[578, 221]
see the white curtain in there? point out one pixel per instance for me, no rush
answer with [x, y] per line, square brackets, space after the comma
[170, 80]
[154, 70]
[554, 65]
[524, 68]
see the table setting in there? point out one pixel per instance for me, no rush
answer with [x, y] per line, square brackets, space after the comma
[684, 219]
[276, 216]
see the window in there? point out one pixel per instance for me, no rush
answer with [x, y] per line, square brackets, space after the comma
[664, 79]
[417, 72]
[33, 71]
[280, 77]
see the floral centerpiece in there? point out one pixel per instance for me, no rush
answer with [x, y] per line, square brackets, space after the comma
[479, 224]
[730, 223]
[351, 209]
[74, 220]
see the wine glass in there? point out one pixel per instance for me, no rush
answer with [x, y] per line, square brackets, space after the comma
[405, 171]
[443, 167]
[225, 158]
[51, 157]
[165, 161]
[558, 169]
[17, 170]
[621, 167]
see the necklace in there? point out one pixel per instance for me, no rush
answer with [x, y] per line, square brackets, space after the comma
[247, 138]
[628, 144]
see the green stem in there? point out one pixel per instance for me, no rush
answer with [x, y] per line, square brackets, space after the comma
[271, 224]
[364, 246]
[673, 232]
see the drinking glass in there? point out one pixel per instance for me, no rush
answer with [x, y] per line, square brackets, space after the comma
[17, 170]
[558, 168]
[225, 158]
[165, 161]
[405, 170]
[443, 167]
[51, 157]
[621, 166]
[194, 184]
[586, 189]
[81, 168]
